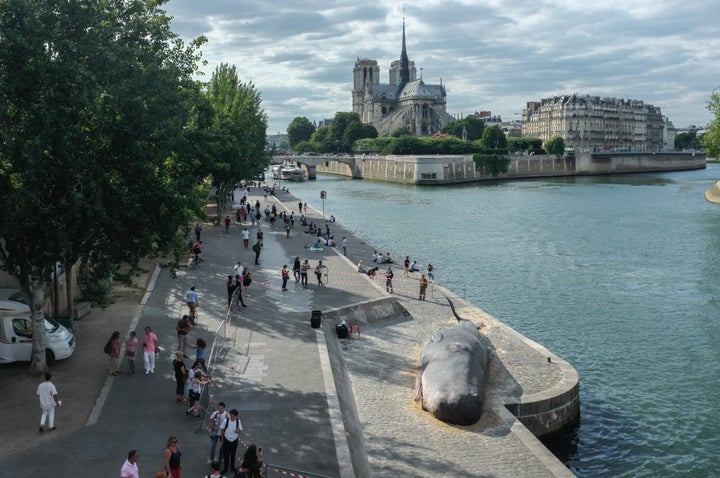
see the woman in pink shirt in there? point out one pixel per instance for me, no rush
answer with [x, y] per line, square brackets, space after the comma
[131, 346]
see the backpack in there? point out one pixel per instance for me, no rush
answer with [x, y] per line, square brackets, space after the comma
[108, 346]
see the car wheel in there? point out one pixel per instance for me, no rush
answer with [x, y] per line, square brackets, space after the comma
[49, 357]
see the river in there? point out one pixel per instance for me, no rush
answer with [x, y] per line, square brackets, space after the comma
[619, 275]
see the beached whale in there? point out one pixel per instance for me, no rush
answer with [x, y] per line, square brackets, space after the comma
[451, 380]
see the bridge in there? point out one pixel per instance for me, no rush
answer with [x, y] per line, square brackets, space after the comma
[311, 162]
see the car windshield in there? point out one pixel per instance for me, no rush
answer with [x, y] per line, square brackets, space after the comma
[51, 325]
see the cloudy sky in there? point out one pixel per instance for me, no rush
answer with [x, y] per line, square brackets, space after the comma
[490, 54]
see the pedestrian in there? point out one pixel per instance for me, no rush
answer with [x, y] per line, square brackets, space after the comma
[181, 374]
[305, 208]
[251, 463]
[198, 231]
[300, 207]
[238, 289]
[285, 273]
[131, 346]
[48, 395]
[406, 265]
[292, 219]
[192, 303]
[196, 390]
[114, 352]
[318, 273]
[246, 237]
[388, 280]
[246, 280]
[215, 473]
[238, 215]
[200, 346]
[217, 418]
[344, 246]
[304, 268]
[230, 433]
[430, 275]
[231, 286]
[423, 286]
[150, 346]
[296, 269]
[130, 468]
[182, 327]
[227, 224]
[172, 458]
[287, 228]
[257, 248]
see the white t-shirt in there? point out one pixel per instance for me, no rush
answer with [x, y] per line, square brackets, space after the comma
[232, 428]
[46, 391]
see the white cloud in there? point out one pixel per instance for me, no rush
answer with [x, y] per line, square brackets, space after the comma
[490, 54]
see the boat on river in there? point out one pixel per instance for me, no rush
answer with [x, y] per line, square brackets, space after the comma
[288, 172]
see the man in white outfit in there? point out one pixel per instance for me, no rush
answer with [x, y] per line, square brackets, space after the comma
[48, 400]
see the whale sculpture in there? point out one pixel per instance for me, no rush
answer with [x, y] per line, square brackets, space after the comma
[451, 380]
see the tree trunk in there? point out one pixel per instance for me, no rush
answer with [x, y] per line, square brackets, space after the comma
[38, 364]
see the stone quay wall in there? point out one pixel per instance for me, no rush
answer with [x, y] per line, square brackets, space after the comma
[451, 169]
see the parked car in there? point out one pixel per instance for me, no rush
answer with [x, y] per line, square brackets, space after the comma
[16, 336]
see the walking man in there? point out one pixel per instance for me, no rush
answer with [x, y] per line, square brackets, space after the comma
[256, 249]
[388, 280]
[47, 393]
[130, 468]
[230, 434]
[423, 286]
[304, 268]
[217, 419]
[318, 273]
[150, 345]
[227, 224]
[192, 303]
[198, 231]
[344, 246]
[246, 237]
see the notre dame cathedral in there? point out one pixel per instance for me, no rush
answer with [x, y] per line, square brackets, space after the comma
[404, 101]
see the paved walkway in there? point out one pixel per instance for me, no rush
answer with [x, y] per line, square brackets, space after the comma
[278, 375]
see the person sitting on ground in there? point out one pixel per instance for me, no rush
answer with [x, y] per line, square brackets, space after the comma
[317, 244]
[375, 256]
[414, 267]
[372, 272]
[386, 258]
[360, 266]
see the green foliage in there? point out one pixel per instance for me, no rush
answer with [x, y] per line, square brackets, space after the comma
[401, 131]
[98, 112]
[555, 145]
[491, 164]
[340, 123]
[237, 130]
[471, 126]
[369, 131]
[711, 138]
[95, 285]
[494, 138]
[321, 134]
[305, 147]
[687, 140]
[300, 129]
[523, 144]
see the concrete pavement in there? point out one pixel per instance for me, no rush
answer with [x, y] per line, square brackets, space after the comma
[329, 408]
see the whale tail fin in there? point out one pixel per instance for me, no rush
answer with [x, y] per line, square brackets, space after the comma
[452, 306]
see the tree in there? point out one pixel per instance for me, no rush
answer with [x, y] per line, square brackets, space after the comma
[687, 140]
[239, 127]
[401, 131]
[300, 129]
[339, 124]
[94, 97]
[555, 145]
[472, 126]
[494, 138]
[711, 138]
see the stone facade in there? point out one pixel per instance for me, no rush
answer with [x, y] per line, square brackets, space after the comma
[593, 123]
[405, 101]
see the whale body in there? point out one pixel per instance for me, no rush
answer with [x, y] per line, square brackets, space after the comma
[451, 380]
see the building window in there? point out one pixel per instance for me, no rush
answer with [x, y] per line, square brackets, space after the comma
[428, 176]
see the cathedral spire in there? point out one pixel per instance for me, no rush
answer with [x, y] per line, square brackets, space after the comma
[404, 63]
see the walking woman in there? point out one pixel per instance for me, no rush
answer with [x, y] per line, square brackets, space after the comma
[180, 376]
[172, 458]
[285, 273]
[114, 352]
[131, 346]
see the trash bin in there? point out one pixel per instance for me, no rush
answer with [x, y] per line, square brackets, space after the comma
[315, 319]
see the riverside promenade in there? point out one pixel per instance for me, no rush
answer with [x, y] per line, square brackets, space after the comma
[315, 404]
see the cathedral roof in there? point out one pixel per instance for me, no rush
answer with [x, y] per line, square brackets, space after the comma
[418, 88]
[384, 92]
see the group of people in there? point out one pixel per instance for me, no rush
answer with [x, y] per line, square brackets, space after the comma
[149, 347]
[408, 267]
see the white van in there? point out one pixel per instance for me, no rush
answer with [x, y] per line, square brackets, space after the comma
[16, 336]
